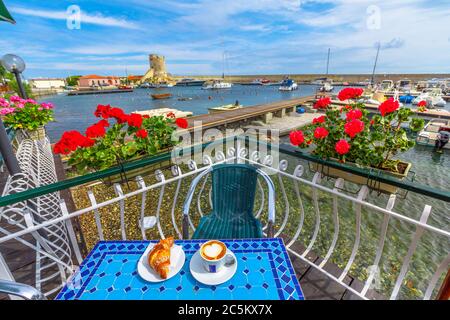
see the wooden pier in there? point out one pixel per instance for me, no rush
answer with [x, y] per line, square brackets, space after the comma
[264, 112]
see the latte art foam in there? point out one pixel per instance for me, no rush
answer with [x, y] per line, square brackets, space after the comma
[213, 250]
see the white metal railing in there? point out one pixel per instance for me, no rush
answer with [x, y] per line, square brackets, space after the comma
[50, 243]
[299, 200]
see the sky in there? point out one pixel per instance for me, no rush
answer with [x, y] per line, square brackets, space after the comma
[58, 38]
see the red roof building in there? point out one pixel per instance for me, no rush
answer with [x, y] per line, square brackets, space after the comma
[93, 80]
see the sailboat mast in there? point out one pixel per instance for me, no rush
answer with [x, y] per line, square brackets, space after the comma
[375, 65]
[223, 65]
[328, 60]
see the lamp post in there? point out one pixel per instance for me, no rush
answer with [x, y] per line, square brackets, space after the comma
[16, 65]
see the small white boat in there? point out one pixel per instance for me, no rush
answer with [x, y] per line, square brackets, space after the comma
[386, 86]
[164, 112]
[165, 85]
[227, 107]
[432, 131]
[326, 87]
[432, 96]
[288, 85]
[376, 98]
[319, 81]
[260, 82]
[144, 85]
[217, 84]
[404, 85]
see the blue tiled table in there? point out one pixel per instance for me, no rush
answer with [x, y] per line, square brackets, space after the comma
[109, 273]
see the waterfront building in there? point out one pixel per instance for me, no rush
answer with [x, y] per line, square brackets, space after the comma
[47, 83]
[133, 79]
[94, 80]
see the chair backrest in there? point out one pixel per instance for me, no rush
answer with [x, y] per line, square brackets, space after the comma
[233, 190]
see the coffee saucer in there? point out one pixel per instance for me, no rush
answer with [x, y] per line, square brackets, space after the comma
[201, 275]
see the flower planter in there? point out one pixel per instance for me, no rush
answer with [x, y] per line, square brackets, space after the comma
[38, 134]
[347, 176]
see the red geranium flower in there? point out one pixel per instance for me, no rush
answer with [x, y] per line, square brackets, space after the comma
[102, 111]
[320, 133]
[422, 103]
[135, 120]
[347, 107]
[182, 123]
[353, 127]
[350, 93]
[322, 103]
[372, 122]
[118, 114]
[103, 123]
[320, 119]
[95, 131]
[342, 147]
[142, 133]
[354, 114]
[70, 141]
[296, 138]
[388, 106]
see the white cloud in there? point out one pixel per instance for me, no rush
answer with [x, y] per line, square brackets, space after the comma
[97, 19]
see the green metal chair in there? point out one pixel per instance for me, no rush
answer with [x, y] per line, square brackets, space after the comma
[233, 197]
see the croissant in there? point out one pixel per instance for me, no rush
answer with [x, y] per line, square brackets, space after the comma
[159, 257]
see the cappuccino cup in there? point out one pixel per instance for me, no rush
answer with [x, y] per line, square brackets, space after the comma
[214, 255]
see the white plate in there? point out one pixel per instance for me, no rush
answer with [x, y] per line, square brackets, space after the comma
[201, 275]
[177, 258]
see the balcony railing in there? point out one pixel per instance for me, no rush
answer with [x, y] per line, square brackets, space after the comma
[395, 245]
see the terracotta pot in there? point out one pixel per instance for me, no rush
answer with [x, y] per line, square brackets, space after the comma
[347, 176]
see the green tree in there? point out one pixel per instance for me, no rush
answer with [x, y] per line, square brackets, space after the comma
[72, 80]
[10, 80]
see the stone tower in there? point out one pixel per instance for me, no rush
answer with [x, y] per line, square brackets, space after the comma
[157, 72]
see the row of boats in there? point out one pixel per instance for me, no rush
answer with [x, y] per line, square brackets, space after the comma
[285, 85]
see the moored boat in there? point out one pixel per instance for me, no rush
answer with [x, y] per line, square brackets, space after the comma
[216, 85]
[189, 82]
[161, 96]
[326, 87]
[260, 82]
[406, 98]
[386, 86]
[165, 85]
[433, 131]
[165, 112]
[227, 107]
[288, 85]
[432, 96]
[404, 85]
[184, 98]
